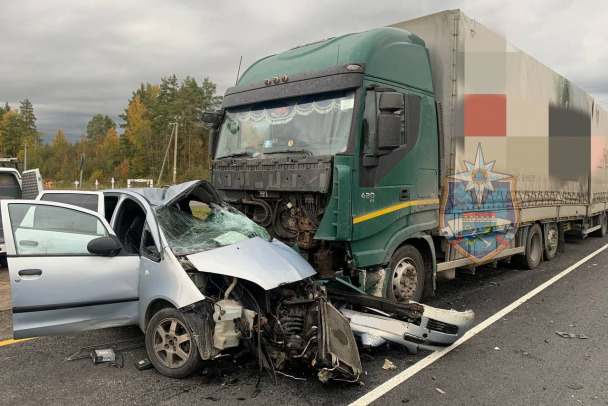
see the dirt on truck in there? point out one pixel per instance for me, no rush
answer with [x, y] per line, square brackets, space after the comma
[395, 156]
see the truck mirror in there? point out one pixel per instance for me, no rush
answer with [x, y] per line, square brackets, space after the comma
[389, 124]
[390, 102]
[212, 141]
[210, 117]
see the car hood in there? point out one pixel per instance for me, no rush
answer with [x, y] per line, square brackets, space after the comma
[267, 264]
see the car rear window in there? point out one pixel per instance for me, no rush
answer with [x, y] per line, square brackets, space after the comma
[81, 200]
[9, 186]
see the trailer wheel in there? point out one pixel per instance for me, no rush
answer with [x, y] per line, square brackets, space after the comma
[171, 345]
[603, 230]
[534, 247]
[407, 275]
[551, 241]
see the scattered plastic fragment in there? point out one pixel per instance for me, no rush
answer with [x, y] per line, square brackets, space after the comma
[497, 349]
[388, 365]
[571, 335]
[440, 391]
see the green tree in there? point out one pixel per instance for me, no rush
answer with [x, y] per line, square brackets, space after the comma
[4, 110]
[98, 126]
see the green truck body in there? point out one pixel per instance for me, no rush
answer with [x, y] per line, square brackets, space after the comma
[366, 152]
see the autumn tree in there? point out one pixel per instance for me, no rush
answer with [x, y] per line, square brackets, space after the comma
[11, 132]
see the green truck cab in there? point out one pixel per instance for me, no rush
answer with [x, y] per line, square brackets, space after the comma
[333, 147]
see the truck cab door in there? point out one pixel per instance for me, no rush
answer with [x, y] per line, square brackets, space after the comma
[57, 285]
[395, 182]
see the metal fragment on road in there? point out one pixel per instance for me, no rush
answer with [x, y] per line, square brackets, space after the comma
[571, 335]
[440, 391]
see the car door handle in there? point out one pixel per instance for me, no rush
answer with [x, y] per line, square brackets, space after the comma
[28, 243]
[30, 272]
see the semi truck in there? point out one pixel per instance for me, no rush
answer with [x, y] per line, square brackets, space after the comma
[393, 157]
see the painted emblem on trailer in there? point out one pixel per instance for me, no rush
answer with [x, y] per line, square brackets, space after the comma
[479, 215]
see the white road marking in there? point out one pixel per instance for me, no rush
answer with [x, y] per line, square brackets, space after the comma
[425, 362]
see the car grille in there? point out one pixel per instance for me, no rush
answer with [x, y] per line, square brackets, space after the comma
[442, 327]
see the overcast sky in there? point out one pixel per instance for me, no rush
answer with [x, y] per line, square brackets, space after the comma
[74, 59]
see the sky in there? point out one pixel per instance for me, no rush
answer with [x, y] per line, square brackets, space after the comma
[75, 59]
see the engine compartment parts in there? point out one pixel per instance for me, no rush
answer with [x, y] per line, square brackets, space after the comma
[106, 355]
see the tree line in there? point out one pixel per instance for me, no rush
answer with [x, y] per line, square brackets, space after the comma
[133, 149]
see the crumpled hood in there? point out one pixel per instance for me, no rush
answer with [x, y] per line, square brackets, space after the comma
[267, 264]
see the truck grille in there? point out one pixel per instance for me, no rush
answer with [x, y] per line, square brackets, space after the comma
[442, 327]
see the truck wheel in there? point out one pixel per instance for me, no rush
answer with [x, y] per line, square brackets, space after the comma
[407, 275]
[603, 230]
[171, 345]
[534, 247]
[551, 241]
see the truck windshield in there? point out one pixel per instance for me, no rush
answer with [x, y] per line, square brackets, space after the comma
[314, 125]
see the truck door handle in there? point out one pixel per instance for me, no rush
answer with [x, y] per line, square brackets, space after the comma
[405, 194]
[30, 272]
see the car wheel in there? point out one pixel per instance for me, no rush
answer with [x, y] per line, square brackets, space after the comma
[534, 247]
[407, 275]
[551, 241]
[601, 232]
[171, 345]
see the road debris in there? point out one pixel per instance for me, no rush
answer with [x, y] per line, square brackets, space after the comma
[571, 335]
[440, 391]
[388, 365]
[575, 386]
[497, 349]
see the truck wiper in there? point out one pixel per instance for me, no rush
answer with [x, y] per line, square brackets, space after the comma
[235, 154]
[283, 151]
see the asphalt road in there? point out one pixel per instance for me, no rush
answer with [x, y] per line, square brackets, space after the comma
[519, 360]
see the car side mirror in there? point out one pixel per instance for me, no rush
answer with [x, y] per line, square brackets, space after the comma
[389, 124]
[104, 246]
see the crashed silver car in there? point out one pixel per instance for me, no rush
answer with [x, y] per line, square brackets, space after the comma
[199, 278]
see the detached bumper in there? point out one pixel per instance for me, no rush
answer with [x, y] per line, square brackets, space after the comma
[436, 328]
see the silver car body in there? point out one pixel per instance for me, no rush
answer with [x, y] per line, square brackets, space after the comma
[65, 292]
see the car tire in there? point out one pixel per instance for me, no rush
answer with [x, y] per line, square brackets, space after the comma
[406, 275]
[534, 247]
[601, 232]
[171, 345]
[551, 241]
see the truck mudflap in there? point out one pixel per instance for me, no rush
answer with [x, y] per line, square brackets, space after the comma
[436, 328]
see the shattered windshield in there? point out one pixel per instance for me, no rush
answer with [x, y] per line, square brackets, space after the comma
[313, 125]
[187, 234]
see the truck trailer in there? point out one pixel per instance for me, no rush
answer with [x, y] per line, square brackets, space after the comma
[395, 156]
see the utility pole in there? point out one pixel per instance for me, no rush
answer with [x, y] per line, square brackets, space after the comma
[175, 155]
[25, 158]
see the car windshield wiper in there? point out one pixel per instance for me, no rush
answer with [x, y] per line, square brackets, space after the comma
[284, 151]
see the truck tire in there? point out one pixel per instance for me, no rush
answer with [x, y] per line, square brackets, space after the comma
[551, 241]
[604, 229]
[534, 247]
[171, 345]
[406, 275]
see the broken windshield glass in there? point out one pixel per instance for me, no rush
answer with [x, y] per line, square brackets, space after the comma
[187, 234]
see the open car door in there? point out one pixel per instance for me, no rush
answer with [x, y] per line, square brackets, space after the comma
[57, 285]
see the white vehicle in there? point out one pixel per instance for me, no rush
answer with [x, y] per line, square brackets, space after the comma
[195, 286]
[14, 186]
